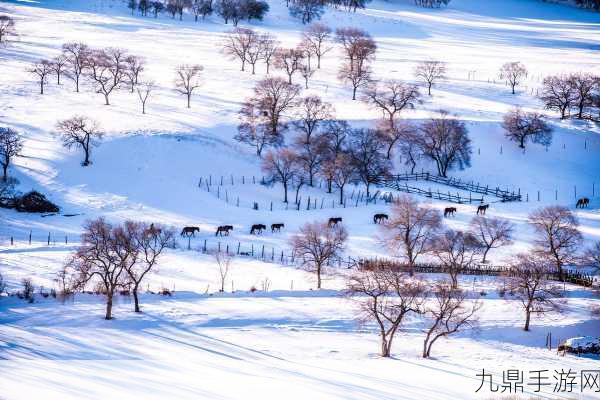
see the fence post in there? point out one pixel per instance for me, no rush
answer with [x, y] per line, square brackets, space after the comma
[263, 252]
[252, 249]
[308, 204]
[48, 238]
[12, 242]
[204, 248]
[271, 206]
[272, 254]
[219, 247]
[238, 250]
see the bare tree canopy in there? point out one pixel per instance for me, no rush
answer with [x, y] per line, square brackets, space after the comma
[368, 156]
[280, 166]
[558, 93]
[359, 47]
[557, 236]
[307, 10]
[269, 46]
[289, 61]
[592, 257]
[456, 250]
[386, 296]
[446, 141]
[311, 112]
[77, 54]
[430, 72]
[59, 63]
[224, 261]
[134, 66]
[42, 69]
[81, 132]
[513, 73]
[398, 132]
[586, 88]
[528, 281]
[11, 145]
[492, 233]
[187, 79]
[106, 68]
[521, 127]
[316, 38]
[238, 42]
[253, 129]
[391, 97]
[144, 90]
[317, 244]
[411, 230]
[449, 312]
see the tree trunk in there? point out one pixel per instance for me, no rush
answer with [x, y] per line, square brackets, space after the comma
[341, 194]
[318, 276]
[109, 303]
[77, 83]
[385, 347]
[354, 93]
[189, 96]
[106, 103]
[42, 86]
[4, 172]
[285, 192]
[527, 318]
[136, 300]
[318, 61]
[483, 261]
[429, 88]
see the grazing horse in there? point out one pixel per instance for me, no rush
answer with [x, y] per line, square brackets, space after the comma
[258, 228]
[482, 209]
[449, 211]
[189, 231]
[334, 221]
[276, 227]
[379, 218]
[582, 203]
[223, 229]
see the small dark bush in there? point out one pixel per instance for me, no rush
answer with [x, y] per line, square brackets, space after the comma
[34, 202]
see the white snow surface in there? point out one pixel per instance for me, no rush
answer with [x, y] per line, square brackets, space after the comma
[290, 341]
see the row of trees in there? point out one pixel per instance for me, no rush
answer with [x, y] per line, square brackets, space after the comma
[115, 257]
[229, 10]
[109, 69]
[576, 95]
[415, 230]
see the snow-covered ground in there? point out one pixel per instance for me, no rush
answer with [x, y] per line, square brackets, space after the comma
[291, 341]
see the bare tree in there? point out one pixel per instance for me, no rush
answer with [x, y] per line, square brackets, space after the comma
[253, 129]
[311, 112]
[446, 141]
[280, 167]
[289, 61]
[398, 131]
[523, 126]
[107, 69]
[148, 243]
[238, 42]
[456, 250]
[77, 54]
[96, 261]
[144, 90]
[81, 132]
[310, 155]
[187, 79]
[342, 171]
[41, 69]
[316, 37]
[386, 296]
[409, 148]
[306, 73]
[557, 235]
[11, 145]
[134, 66]
[359, 47]
[368, 157]
[450, 312]
[492, 233]
[411, 230]
[269, 47]
[307, 10]
[584, 85]
[513, 73]
[559, 93]
[392, 97]
[223, 261]
[271, 99]
[430, 72]
[59, 64]
[316, 245]
[7, 29]
[528, 281]
[355, 76]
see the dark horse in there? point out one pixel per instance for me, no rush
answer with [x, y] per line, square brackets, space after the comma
[582, 203]
[276, 227]
[189, 231]
[258, 228]
[449, 211]
[334, 221]
[223, 229]
[482, 209]
[379, 218]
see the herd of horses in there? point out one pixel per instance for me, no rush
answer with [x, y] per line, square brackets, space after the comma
[257, 229]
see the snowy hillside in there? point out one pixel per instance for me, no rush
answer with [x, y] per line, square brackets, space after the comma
[271, 333]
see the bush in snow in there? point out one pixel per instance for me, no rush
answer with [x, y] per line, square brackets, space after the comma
[432, 3]
[27, 292]
[11, 145]
[35, 202]
[522, 127]
[581, 345]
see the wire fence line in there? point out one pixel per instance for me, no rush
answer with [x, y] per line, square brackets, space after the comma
[271, 254]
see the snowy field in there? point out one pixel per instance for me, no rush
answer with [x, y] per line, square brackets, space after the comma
[290, 341]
